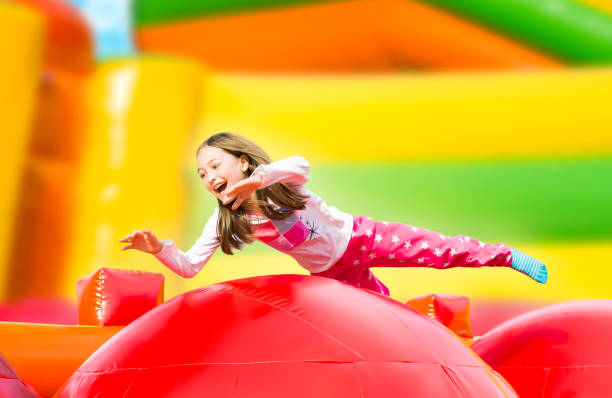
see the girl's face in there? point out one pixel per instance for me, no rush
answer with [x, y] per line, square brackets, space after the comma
[219, 169]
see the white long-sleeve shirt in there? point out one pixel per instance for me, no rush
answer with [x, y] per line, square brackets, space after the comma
[315, 237]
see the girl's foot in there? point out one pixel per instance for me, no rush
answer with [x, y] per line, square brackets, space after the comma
[529, 266]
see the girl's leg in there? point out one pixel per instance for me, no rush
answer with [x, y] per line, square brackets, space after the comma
[388, 244]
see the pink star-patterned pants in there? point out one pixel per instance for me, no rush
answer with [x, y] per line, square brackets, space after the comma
[389, 244]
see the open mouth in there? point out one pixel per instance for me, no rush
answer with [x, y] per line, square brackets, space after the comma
[220, 188]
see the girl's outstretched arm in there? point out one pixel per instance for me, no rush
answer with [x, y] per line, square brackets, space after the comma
[188, 264]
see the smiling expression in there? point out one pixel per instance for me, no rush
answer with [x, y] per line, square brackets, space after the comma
[219, 169]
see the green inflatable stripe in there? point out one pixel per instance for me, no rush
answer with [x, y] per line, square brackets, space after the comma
[573, 31]
[152, 12]
[511, 201]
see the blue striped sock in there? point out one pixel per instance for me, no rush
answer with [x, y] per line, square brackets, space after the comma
[529, 266]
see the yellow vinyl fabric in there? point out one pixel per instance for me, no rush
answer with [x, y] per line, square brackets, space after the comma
[141, 112]
[20, 65]
[413, 117]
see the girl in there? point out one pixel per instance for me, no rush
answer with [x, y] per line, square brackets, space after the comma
[267, 201]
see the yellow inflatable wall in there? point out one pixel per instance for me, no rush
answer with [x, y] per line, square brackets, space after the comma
[141, 112]
[19, 74]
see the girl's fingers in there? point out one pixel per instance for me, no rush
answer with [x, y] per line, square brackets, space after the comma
[239, 187]
[237, 193]
[136, 234]
[127, 238]
[237, 202]
[230, 191]
[236, 186]
[127, 247]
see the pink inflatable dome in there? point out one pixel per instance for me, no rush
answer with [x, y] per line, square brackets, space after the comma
[562, 350]
[284, 336]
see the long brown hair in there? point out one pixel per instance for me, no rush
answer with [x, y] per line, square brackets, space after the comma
[233, 226]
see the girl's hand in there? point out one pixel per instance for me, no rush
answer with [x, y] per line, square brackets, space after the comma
[242, 190]
[142, 240]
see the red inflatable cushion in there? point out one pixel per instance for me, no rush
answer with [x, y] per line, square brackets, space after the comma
[562, 350]
[115, 297]
[284, 336]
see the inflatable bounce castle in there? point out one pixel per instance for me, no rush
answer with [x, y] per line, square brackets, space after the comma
[497, 109]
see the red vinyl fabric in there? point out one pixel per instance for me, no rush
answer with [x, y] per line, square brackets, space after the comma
[562, 350]
[284, 336]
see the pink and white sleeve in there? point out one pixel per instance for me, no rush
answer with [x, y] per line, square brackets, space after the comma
[290, 170]
[188, 264]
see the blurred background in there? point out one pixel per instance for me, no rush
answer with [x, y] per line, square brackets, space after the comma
[476, 118]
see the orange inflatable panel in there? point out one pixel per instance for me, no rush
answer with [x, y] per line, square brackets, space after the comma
[452, 311]
[69, 42]
[112, 297]
[44, 227]
[358, 35]
[429, 38]
[44, 356]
